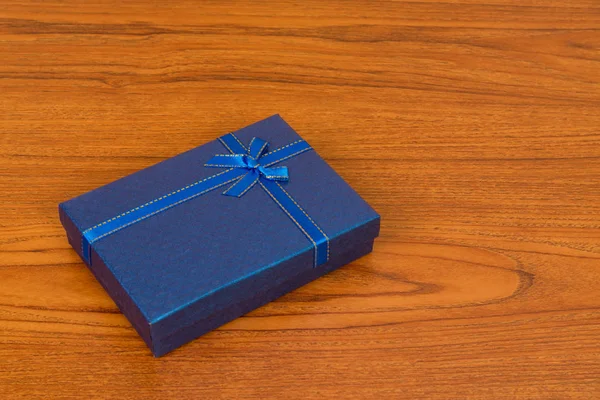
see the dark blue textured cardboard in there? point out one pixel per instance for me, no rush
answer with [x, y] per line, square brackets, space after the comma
[204, 262]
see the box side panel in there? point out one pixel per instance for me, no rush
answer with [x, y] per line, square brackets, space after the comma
[103, 274]
[258, 299]
[258, 289]
[73, 234]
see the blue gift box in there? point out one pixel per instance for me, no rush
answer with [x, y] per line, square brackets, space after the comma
[202, 238]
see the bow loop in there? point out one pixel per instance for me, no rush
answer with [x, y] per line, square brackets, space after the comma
[258, 147]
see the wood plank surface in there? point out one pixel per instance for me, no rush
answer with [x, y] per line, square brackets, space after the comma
[472, 126]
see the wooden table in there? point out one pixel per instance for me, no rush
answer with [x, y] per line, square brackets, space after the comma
[471, 126]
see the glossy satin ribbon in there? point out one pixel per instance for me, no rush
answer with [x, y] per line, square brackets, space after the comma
[244, 168]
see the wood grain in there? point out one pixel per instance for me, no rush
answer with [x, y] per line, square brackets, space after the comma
[472, 126]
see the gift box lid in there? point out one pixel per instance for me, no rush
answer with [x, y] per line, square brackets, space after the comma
[196, 258]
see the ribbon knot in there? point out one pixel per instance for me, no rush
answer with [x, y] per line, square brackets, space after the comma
[256, 160]
[251, 162]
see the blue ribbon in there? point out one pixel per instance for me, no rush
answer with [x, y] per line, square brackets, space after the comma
[251, 161]
[245, 167]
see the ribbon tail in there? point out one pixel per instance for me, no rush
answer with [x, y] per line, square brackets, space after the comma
[293, 210]
[244, 184]
[276, 173]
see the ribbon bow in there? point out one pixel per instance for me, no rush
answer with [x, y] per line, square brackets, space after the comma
[256, 161]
